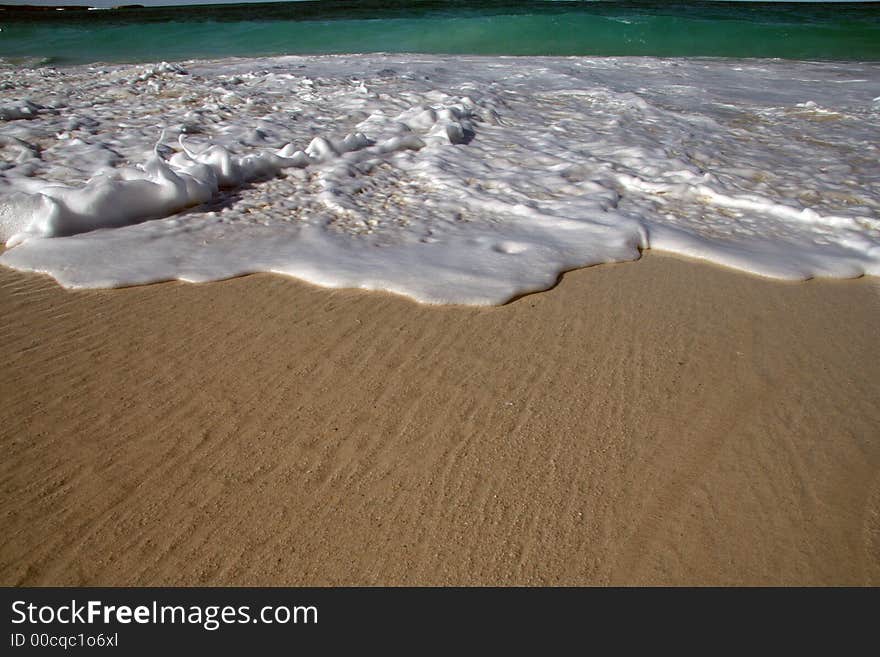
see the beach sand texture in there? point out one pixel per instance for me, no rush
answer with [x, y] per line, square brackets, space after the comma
[656, 422]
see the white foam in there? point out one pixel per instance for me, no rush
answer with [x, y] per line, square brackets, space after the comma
[449, 180]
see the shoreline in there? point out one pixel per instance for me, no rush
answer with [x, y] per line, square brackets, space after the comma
[477, 185]
[663, 421]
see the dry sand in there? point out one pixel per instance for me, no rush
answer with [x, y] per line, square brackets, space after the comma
[658, 422]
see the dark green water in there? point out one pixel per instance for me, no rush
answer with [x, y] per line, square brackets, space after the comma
[848, 31]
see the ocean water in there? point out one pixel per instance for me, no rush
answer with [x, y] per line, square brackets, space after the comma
[448, 179]
[491, 27]
[139, 146]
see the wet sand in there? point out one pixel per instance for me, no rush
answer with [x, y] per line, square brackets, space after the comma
[657, 422]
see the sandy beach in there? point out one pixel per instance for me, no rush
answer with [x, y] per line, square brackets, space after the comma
[657, 422]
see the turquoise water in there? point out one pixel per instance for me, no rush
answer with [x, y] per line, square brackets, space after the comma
[497, 27]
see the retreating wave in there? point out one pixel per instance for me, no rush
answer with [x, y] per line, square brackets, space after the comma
[449, 180]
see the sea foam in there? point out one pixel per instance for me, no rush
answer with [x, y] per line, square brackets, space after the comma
[449, 180]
